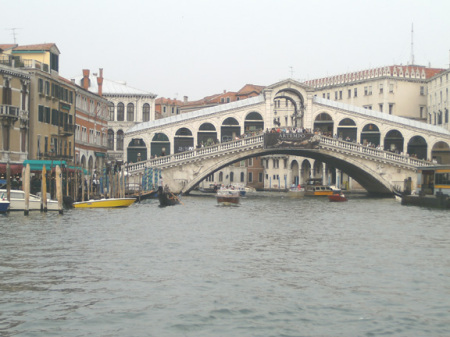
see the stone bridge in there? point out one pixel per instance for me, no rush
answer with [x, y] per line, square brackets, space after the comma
[376, 149]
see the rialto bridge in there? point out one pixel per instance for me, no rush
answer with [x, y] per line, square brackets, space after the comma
[376, 149]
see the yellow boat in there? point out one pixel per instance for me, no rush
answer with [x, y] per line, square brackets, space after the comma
[105, 203]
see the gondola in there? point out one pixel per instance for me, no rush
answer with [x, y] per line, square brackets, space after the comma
[167, 198]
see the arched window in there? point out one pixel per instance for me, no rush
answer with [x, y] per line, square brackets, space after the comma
[120, 140]
[146, 112]
[111, 112]
[220, 176]
[130, 112]
[120, 112]
[231, 177]
[111, 140]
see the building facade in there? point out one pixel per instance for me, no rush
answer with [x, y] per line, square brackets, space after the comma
[127, 106]
[14, 116]
[438, 100]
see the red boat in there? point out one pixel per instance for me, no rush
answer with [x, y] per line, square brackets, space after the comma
[337, 197]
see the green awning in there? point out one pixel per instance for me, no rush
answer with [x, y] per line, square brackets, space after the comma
[36, 165]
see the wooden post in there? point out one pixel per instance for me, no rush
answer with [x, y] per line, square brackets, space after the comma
[59, 192]
[75, 188]
[44, 189]
[82, 184]
[8, 180]
[26, 182]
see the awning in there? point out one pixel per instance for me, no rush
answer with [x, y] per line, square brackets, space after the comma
[15, 168]
[36, 165]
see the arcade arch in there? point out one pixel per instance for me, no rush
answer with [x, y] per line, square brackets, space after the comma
[440, 153]
[160, 145]
[417, 147]
[254, 122]
[347, 130]
[230, 129]
[183, 140]
[206, 135]
[324, 123]
[136, 150]
[393, 141]
[370, 134]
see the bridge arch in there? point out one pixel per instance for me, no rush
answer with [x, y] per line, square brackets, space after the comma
[136, 150]
[324, 123]
[393, 141]
[206, 134]
[370, 134]
[292, 117]
[417, 147]
[160, 145]
[254, 122]
[230, 129]
[183, 140]
[440, 152]
[347, 130]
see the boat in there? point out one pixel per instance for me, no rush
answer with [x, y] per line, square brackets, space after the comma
[314, 187]
[105, 203]
[337, 197]
[167, 198]
[17, 201]
[227, 197]
[4, 206]
[296, 192]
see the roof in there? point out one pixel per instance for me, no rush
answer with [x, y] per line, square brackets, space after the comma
[197, 113]
[381, 115]
[36, 47]
[249, 88]
[110, 87]
[7, 46]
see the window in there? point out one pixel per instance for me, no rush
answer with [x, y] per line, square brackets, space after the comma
[111, 112]
[391, 108]
[336, 95]
[380, 107]
[422, 110]
[111, 140]
[422, 90]
[41, 86]
[368, 90]
[328, 95]
[120, 112]
[340, 94]
[46, 145]
[250, 162]
[242, 177]
[47, 115]
[250, 177]
[47, 88]
[120, 140]
[391, 88]
[146, 112]
[381, 88]
[40, 113]
[231, 177]
[260, 177]
[355, 92]
[349, 93]
[130, 112]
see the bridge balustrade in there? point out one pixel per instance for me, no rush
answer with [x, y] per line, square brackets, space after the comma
[370, 151]
[325, 142]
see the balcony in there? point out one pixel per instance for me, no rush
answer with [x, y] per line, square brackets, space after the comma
[67, 130]
[9, 111]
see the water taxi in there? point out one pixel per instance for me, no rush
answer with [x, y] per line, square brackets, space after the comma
[314, 187]
[227, 197]
[105, 203]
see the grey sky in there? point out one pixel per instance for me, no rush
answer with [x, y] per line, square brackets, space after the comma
[196, 48]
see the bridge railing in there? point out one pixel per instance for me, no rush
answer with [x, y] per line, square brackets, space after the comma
[197, 153]
[359, 148]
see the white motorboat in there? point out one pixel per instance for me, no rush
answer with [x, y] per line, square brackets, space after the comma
[17, 202]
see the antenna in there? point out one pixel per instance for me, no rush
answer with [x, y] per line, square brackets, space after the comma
[412, 44]
[13, 33]
[292, 71]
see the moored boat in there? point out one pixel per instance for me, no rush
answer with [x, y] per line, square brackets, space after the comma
[4, 206]
[228, 197]
[105, 203]
[314, 187]
[296, 192]
[17, 201]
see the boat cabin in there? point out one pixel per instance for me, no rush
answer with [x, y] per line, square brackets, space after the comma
[434, 180]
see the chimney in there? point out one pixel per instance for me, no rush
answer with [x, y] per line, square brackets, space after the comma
[185, 99]
[100, 82]
[86, 79]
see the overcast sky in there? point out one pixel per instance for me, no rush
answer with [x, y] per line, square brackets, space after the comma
[196, 48]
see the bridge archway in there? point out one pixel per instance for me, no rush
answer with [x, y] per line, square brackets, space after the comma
[136, 150]
[206, 135]
[254, 122]
[183, 140]
[347, 130]
[370, 134]
[440, 153]
[292, 115]
[230, 129]
[324, 123]
[417, 147]
[160, 145]
[393, 141]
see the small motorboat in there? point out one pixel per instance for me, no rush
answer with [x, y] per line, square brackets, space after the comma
[105, 203]
[337, 197]
[4, 205]
[17, 201]
[227, 197]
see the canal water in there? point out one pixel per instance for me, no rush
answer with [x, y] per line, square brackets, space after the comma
[273, 266]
